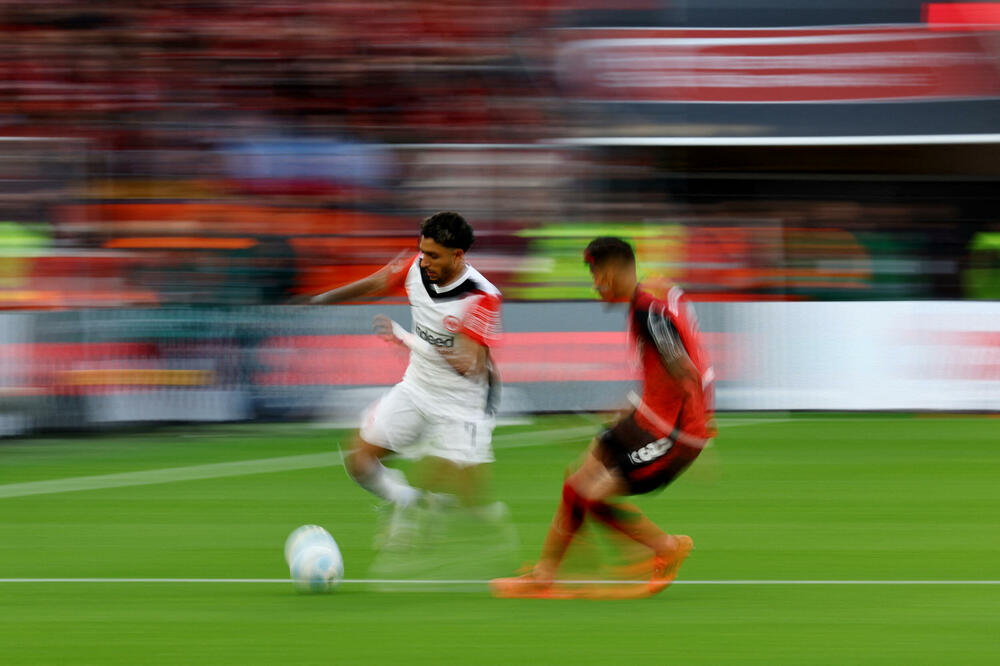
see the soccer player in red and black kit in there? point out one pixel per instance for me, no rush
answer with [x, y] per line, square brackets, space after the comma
[645, 450]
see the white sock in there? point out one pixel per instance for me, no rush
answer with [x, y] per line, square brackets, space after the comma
[389, 484]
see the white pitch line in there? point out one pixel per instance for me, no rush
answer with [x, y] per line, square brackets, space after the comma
[241, 467]
[170, 474]
[418, 582]
[147, 580]
[514, 440]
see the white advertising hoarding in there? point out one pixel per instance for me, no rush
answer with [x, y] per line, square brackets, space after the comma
[901, 355]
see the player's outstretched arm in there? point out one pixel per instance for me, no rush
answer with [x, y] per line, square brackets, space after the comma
[467, 356]
[375, 284]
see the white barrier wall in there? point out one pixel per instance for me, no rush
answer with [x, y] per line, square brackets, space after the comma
[916, 355]
[73, 369]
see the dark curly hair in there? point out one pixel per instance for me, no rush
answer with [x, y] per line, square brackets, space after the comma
[608, 248]
[449, 229]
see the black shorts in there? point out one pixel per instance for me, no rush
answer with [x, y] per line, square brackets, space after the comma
[646, 461]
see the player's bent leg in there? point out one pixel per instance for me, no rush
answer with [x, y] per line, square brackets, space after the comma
[389, 425]
[364, 464]
[630, 521]
[592, 481]
[542, 582]
[646, 462]
[398, 527]
[539, 582]
[668, 551]
[586, 492]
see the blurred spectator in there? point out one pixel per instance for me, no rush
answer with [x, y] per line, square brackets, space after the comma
[223, 152]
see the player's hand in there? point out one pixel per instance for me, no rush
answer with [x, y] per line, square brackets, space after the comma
[382, 326]
[300, 299]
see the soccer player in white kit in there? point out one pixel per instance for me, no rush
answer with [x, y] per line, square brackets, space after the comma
[446, 401]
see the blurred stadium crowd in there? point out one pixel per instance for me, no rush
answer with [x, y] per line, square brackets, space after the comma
[227, 152]
[166, 168]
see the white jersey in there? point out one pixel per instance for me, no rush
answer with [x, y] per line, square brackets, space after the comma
[470, 306]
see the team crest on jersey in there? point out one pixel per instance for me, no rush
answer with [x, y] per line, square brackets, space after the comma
[452, 323]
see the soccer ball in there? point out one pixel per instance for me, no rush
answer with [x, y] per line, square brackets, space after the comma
[314, 560]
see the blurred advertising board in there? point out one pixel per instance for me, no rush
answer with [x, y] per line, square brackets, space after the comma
[82, 369]
[780, 81]
[866, 356]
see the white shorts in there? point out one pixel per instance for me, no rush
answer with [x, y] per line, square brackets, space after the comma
[396, 422]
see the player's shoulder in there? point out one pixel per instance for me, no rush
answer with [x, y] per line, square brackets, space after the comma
[482, 285]
[411, 265]
[646, 301]
[669, 301]
[657, 310]
[411, 271]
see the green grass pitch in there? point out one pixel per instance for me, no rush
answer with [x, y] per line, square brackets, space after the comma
[790, 498]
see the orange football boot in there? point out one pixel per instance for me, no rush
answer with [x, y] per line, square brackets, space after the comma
[666, 565]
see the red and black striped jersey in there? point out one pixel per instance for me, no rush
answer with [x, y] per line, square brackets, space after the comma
[663, 331]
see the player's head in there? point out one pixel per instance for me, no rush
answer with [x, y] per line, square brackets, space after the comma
[444, 239]
[612, 266]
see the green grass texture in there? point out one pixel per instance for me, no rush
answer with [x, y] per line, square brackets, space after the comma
[799, 522]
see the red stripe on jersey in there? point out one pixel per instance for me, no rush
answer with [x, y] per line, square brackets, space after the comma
[482, 319]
